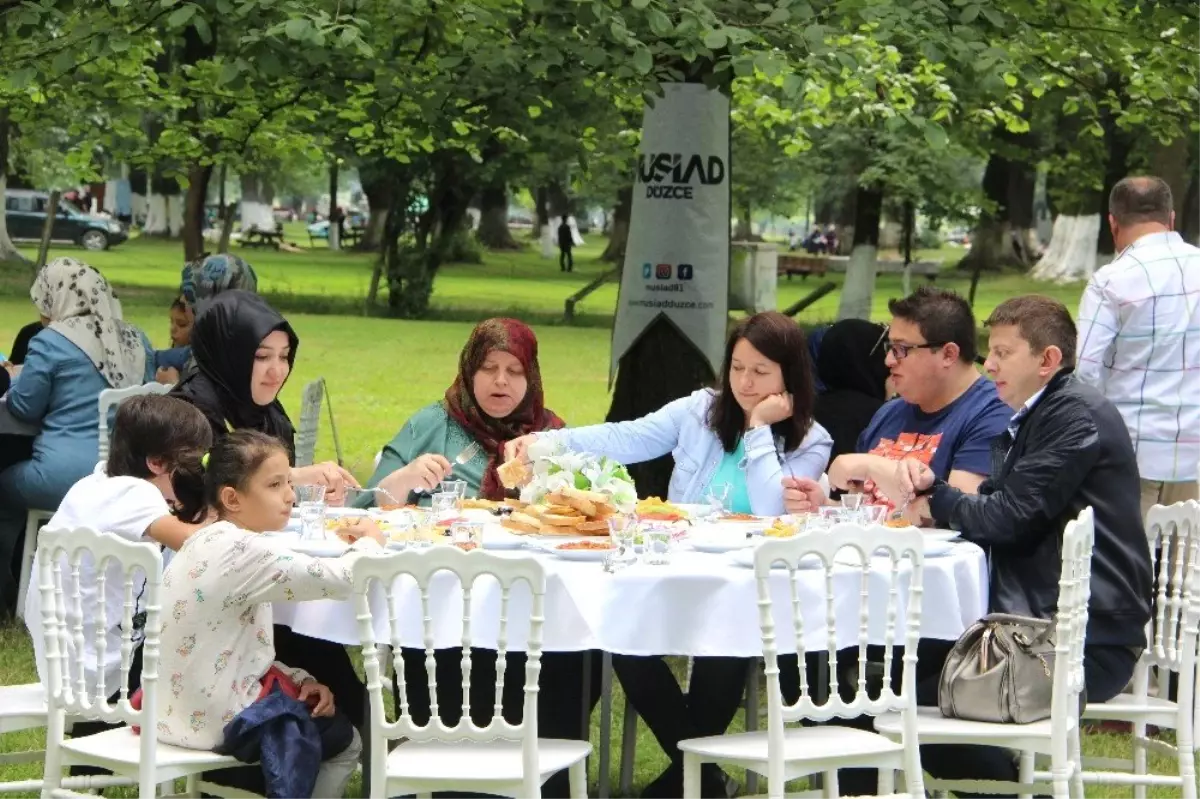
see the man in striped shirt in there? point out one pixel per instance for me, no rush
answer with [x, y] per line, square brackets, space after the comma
[1139, 338]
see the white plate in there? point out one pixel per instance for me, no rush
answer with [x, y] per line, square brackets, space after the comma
[587, 555]
[745, 559]
[937, 534]
[500, 538]
[719, 544]
[318, 549]
[937, 549]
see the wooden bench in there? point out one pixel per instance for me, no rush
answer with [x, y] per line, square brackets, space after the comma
[350, 237]
[803, 265]
[926, 269]
[262, 238]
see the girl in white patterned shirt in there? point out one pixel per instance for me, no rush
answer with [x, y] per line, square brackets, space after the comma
[217, 631]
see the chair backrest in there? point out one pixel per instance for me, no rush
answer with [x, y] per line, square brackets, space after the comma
[1173, 533]
[1074, 591]
[881, 567]
[112, 397]
[68, 637]
[310, 421]
[406, 581]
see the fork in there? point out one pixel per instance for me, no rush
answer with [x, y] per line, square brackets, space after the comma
[461, 459]
[779, 456]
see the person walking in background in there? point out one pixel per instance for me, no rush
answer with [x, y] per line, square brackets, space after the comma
[1139, 337]
[565, 243]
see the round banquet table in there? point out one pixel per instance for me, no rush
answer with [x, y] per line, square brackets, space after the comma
[699, 604]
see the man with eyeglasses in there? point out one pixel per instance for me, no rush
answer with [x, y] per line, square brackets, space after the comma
[946, 414]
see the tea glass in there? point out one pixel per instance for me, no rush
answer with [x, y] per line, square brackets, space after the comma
[311, 501]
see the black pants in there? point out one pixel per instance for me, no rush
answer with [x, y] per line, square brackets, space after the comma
[329, 664]
[1107, 670]
[565, 262]
[560, 694]
[713, 698]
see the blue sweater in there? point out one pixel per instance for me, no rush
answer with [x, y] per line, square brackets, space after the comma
[59, 388]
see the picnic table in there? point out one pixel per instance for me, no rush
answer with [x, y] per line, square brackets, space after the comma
[255, 237]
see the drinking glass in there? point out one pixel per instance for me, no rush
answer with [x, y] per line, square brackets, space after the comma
[717, 495]
[622, 529]
[467, 535]
[311, 501]
[424, 530]
[656, 545]
[457, 487]
[851, 503]
[444, 506]
[873, 514]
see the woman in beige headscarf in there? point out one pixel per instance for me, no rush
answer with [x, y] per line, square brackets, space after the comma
[84, 348]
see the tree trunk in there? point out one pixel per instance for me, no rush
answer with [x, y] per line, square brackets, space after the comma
[493, 231]
[334, 231]
[378, 184]
[745, 225]
[614, 252]
[226, 228]
[194, 211]
[221, 209]
[1118, 144]
[858, 291]
[1188, 223]
[1004, 237]
[558, 205]
[541, 212]
[1072, 251]
[47, 230]
[9, 254]
[1170, 162]
[257, 194]
[164, 207]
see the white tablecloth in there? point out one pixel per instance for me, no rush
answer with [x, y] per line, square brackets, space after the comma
[700, 604]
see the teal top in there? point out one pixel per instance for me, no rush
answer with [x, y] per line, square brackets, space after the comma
[428, 430]
[732, 470]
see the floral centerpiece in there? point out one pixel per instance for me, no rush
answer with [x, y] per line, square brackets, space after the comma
[554, 468]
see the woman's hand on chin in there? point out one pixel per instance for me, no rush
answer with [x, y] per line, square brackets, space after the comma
[335, 479]
[772, 409]
[423, 474]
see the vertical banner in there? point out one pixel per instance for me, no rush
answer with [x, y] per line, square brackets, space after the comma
[677, 258]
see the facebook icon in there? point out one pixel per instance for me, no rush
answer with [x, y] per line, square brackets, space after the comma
[685, 272]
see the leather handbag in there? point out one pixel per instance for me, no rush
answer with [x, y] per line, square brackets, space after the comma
[1000, 670]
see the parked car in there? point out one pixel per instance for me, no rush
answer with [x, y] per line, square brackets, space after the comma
[25, 216]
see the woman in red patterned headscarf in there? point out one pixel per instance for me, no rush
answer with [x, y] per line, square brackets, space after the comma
[496, 397]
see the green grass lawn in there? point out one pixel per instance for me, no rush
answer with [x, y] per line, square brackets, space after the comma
[380, 371]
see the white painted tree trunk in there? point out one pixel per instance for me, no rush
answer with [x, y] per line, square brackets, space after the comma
[8, 250]
[164, 215]
[1072, 252]
[139, 207]
[258, 216]
[548, 244]
[859, 289]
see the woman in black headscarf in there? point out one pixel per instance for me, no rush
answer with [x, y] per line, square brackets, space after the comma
[851, 366]
[244, 352]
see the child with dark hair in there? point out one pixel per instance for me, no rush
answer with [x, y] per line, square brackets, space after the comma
[151, 488]
[169, 364]
[218, 651]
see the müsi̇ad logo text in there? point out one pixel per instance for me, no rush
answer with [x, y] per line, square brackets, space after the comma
[670, 176]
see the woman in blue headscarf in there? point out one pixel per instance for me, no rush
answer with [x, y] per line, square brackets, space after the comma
[203, 279]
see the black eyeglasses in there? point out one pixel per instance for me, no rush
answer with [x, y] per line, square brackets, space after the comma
[900, 351]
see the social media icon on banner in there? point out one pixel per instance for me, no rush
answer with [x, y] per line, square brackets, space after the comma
[646, 270]
[685, 272]
[663, 271]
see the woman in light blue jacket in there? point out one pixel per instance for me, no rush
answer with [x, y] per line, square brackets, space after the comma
[750, 433]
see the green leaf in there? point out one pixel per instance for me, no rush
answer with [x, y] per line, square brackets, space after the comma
[229, 72]
[297, 28]
[534, 111]
[935, 135]
[777, 17]
[1010, 79]
[969, 14]
[715, 39]
[792, 84]
[643, 61]
[660, 23]
[180, 16]
[202, 29]
[640, 4]
[581, 482]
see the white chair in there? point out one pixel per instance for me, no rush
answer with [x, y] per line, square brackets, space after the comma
[119, 750]
[785, 753]
[113, 397]
[1057, 736]
[22, 707]
[499, 758]
[310, 422]
[34, 519]
[1174, 536]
